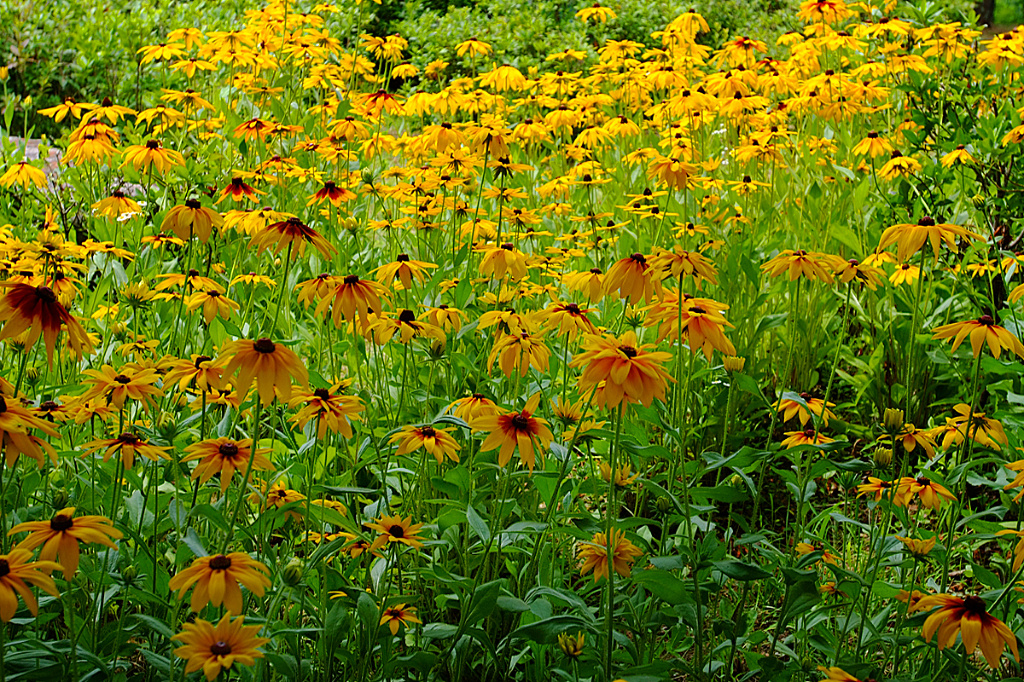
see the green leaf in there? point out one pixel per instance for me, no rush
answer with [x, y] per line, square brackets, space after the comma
[743, 572]
[477, 523]
[664, 586]
[367, 610]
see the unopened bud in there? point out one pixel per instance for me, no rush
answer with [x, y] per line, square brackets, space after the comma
[734, 364]
[292, 573]
[892, 420]
[882, 457]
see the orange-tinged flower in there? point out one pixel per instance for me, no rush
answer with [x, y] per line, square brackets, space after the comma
[519, 352]
[35, 311]
[471, 407]
[60, 536]
[331, 408]
[217, 578]
[702, 322]
[143, 157]
[836, 675]
[628, 371]
[213, 648]
[931, 493]
[116, 386]
[127, 445]
[24, 174]
[968, 617]
[595, 554]
[192, 219]
[631, 278]
[274, 367]
[16, 424]
[16, 570]
[398, 615]
[213, 302]
[806, 437]
[502, 260]
[224, 456]
[982, 331]
[911, 599]
[352, 298]
[294, 234]
[514, 430]
[403, 269]
[800, 263]
[791, 408]
[436, 441]
[875, 486]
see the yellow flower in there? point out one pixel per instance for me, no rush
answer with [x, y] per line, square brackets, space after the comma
[213, 648]
[982, 331]
[969, 618]
[595, 554]
[398, 615]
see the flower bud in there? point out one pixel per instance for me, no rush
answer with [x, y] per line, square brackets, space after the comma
[59, 498]
[292, 573]
[892, 420]
[32, 376]
[882, 457]
[664, 505]
[734, 364]
[129, 574]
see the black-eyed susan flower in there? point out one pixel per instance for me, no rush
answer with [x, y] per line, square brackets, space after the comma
[192, 219]
[436, 441]
[601, 555]
[476, 405]
[516, 353]
[981, 331]
[502, 260]
[806, 437]
[216, 580]
[16, 425]
[199, 371]
[969, 618]
[352, 298]
[213, 648]
[293, 234]
[404, 269]
[331, 408]
[631, 278]
[930, 493]
[395, 529]
[799, 263]
[627, 371]
[911, 238]
[24, 174]
[397, 616]
[876, 487]
[274, 367]
[126, 447]
[791, 409]
[61, 535]
[515, 430]
[17, 572]
[152, 155]
[224, 456]
[36, 311]
[213, 303]
[117, 386]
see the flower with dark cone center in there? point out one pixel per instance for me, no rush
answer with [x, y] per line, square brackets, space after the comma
[628, 351]
[351, 279]
[638, 258]
[128, 439]
[746, 178]
[61, 522]
[220, 563]
[228, 449]
[923, 481]
[895, 154]
[587, 178]
[975, 606]
[396, 531]
[507, 246]
[152, 144]
[45, 406]
[402, 258]
[926, 221]
[46, 294]
[220, 648]
[986, 320]
[193, 204]
[5, 568]
[407, 316]
[428, 432]
[443, 306]
[201, 359]
[596, 271]
[573, 309]
[122, 379]
[263, 345]
[809, 433]
[3, 404]
[479, 396]
[520, 421]
[322, 394]
[697, 310]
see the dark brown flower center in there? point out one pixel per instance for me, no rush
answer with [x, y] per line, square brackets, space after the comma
[926, 221]
[975, 605]
[402, 258]
[61, 522]
[406, 316]
[46, 294]
[5, 568]
[122, 379]
[428, 432]
[697, 310]
[128, 439]
[573, 309]
[923, 481]
[228, 449]
[220, 648]
[986, 320]
[220, 563]
[638, 258]
[46, 405]
[521, 422]
[322, 394]
[628, 351]
[263, 345]
[396, 531]
[352, 279]
[507, 246]
[3, 404]
[152, 144]
[595, 271]
[201, 359]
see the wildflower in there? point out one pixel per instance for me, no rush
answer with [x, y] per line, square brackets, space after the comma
[274, 367]
[899, 165]
[910, 238]
[569, 319]
[875, 486]
[16, 423]
[623, 474]
[294, 234]
[872, 145]
[331, 408]
[571, 645]
[930, 493]
[214, 648]
[399, 615]
[152, 155]
[590, 282]
[200, 371]
[405, 325]
[127, 445]
[679, 263]
[213, 302]
[984, 431]
[24, 174]
[911, 599]
[968, 617]
[854, 271]
[518, 352]
[403, 269]
[984, 330]
[918, 548]
[595, 554]
[596, 12]
[116, 205]
[118, 386]
[437, 442]
[224, 456]
[804, 548]
[350, 298]
[796, 264]
[911, 437]
[398, 530]
[61, 535]
[36, 312]
[216, 580]
[514, 430]
[471, 407]
[192, 219]
[834, 674]
[501, 260]
[632, 279]
[628, 371]
[806, 437]
[791, 408]
[15, 571]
